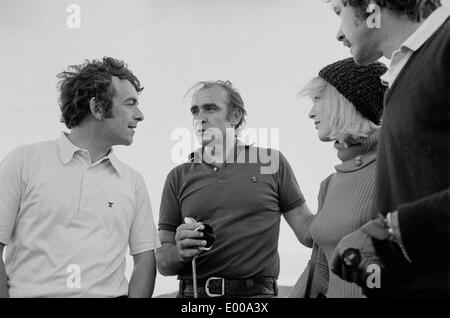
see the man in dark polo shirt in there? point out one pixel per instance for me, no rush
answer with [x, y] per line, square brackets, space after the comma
[241, 191]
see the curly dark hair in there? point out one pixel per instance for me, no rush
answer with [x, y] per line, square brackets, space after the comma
[92, 79]
[416, 10]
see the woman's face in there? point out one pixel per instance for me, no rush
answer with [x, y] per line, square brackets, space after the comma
[321, 120]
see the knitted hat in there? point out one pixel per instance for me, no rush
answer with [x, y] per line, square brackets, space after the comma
[361, 85]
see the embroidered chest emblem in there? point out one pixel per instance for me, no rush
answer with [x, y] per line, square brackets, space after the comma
[253, 179]
[110, 204]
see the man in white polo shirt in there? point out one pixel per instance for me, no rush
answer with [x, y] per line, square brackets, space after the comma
[69, 208]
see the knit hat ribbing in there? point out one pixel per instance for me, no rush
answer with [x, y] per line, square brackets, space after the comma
[361, 85]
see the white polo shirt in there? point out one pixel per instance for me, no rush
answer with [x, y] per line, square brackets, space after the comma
[67, 222]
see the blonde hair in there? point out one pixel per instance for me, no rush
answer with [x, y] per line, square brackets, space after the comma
[347, 124]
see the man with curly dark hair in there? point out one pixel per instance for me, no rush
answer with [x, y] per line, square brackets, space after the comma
[93, 79]
[404, 251]
[69, 209]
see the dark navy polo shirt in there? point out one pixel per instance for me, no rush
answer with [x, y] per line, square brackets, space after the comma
[242, 202]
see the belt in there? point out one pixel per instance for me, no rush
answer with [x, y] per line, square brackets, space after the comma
[217, 287]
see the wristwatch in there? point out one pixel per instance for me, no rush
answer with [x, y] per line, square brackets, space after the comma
[391, 224]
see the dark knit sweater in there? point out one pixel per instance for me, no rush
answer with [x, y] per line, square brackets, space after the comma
[412, 174]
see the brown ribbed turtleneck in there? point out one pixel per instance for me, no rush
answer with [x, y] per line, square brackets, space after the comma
[346, 207]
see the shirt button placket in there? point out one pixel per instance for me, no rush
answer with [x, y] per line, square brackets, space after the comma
[84, 193]
[86, 189]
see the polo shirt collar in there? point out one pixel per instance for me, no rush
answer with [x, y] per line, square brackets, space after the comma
[67, 150]
[115, 162]
[427, 29]
[197, 155]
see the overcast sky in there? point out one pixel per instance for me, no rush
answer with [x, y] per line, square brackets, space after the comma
[267, 48]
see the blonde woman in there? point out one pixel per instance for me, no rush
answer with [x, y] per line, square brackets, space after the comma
[347, 107]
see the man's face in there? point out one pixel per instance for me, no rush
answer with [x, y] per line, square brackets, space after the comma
[125, 114]
[209, 108]
[364, 42]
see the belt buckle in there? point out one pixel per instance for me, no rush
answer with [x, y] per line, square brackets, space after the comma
[207, 287]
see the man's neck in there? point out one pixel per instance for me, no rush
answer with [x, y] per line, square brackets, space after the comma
[90, 141]
[220, 153]
[396, 30]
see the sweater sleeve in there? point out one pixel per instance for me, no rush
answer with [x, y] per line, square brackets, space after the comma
[321, 272]
[424, 225]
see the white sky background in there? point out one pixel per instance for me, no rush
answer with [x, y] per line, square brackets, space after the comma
[267, 48]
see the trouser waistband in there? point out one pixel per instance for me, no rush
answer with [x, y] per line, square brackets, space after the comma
[220, 287]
